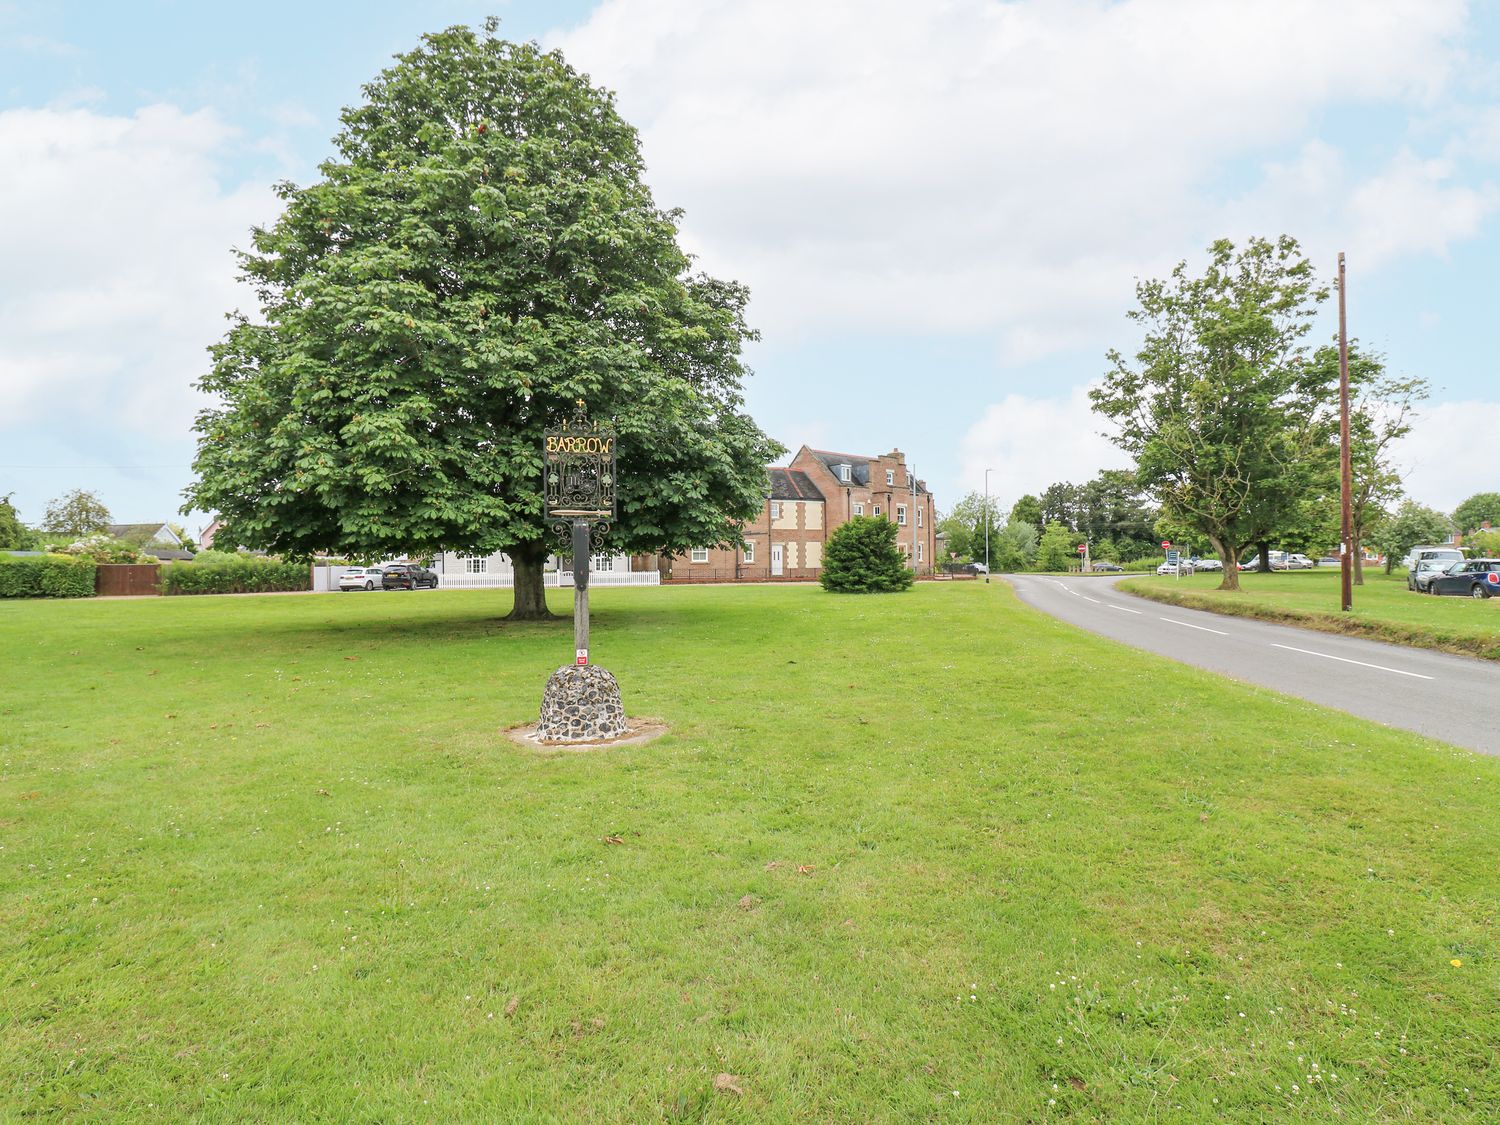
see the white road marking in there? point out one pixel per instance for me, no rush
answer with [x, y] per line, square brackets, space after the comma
[1086, 598]
[1123, 609]
[1190, 625]
[1346, 660]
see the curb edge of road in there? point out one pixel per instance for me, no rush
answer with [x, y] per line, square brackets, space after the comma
[1475, 649]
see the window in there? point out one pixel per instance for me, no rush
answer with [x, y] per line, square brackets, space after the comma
[859, 509]
[876, 510]
[919, 515]
[901, 514]
[844, 473]
[775, 509]
[919, 552]
[700, 554]
[890, 476]
[601, 562]
[474, 564]
[749, 551]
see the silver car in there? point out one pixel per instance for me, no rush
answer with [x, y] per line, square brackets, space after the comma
[360, 578]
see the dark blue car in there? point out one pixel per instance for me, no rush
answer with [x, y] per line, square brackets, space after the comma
[1474, 578]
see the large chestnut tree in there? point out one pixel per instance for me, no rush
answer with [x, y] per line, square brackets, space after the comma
[480, 253]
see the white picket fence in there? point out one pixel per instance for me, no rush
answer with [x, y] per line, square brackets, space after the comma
[505, 579]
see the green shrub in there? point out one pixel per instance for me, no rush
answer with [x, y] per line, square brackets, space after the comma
[862, 558]
[50, 576]
[222, 572]
[100, 548]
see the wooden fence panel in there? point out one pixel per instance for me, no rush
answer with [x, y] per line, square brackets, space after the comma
[127, 579]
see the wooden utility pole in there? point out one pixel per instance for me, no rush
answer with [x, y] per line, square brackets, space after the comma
[1346, 483]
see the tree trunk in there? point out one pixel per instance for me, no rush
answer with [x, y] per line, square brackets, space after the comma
[1231, 560]
[1359, 562]
[531, 594]
[1263, 551]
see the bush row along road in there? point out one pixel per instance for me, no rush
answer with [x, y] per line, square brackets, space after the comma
[1455, 699]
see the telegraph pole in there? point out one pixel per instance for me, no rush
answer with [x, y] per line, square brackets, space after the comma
[1346, 484]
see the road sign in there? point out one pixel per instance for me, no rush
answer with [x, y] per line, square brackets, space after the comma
[1165, 543]
[1082, 547]
[1172, 558]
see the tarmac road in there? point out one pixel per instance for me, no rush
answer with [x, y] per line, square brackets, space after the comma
[1455, 699]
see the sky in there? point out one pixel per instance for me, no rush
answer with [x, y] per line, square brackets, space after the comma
[941, 210]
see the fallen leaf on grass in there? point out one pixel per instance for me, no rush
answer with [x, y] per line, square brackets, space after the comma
[324, 793]
[511, 1005]
[1077, 1083]
[729, 1084]
[805, 869]
[351, 658]
[747, 903]
[32, 796]
[773, 865]
[258, 725]
[614, 839]
[170, 715]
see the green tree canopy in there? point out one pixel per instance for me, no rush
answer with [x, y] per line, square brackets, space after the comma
[1058, 549]
[1028, 509]
[14, 535]
[862, 558]
[1476, 511]
[964, 525]
[1224, 416]
[75, 514]
[1412, 525]
[480, 254]
[1014, 548]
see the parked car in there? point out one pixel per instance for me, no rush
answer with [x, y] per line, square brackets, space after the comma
[1418, 555]
[1168, 568]
[963, 568]
[1207, 564]
[1420, 579]
[407, 576]
[1476, 578]
[1280, 560]
[361, 578]
[1109, 567]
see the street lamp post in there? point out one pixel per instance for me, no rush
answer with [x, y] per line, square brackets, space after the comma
[987, 473]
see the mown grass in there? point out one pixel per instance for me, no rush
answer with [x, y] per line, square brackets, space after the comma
[927, 857]
[1384, 609]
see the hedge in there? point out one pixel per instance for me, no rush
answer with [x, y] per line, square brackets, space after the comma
[229, 574]
[50, 576]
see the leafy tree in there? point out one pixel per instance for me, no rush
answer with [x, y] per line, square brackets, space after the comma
[1014, 547]
[14, 535]
[1486, 544]
[1059, 504]
[76, 514]
[862, 558]
[1412, 525]
[1058, 549]
[1476, 511]
[1028, 509]
[964, 525]
[1111, 507]
[480, 254]
[1224, 416]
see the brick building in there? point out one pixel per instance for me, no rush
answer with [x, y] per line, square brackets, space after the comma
[809, 498]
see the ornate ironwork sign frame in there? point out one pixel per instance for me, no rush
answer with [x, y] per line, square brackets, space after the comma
[578, 470]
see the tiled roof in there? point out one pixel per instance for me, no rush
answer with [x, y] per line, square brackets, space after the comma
[792, 484]
[859, 467]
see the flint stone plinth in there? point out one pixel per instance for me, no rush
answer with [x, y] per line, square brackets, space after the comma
[581, 704]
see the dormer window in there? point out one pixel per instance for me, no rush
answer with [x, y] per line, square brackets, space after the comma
[890, 476]
[844, 473]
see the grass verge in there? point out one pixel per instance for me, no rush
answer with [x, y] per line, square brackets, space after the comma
[931, 856]
[1384, 609]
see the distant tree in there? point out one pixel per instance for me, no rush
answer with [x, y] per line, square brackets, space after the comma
[480, 253]
[1028, 509]
[1486, 544]
[1225, 418]
[964, 525]
[1111, 506]
[1412, 525]
[1058, 549]
[1013, 548]
[14, 535]
[1059, 504]
[862, 558]
[1476, 511]
[75, 514]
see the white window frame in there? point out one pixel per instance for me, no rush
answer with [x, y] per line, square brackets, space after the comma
[919, 552]
[876, 510]
[901, 515]
[844, 473]
[775, 509]
[750, 551]
[699, 555]
[859, 509]
[890, 476]
[919, 515]
[599, 563]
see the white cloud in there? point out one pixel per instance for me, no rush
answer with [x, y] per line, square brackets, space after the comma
[118, 266]
[1033, 442]
[1447, 441]
[1006, 168]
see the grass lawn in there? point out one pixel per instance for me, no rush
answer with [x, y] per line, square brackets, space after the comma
[926, 857]
[1384, 608]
